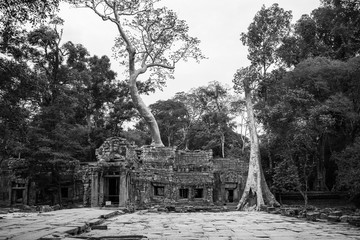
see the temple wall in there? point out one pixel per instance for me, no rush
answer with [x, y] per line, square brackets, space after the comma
[127, 175]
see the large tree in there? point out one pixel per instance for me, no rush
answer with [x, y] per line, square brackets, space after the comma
[332, 31]
[264, 36]
[216, 100]
[15, 14]
[256, 187]
[150, 39]
[320, 98]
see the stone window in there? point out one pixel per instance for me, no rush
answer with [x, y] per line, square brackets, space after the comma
[184, 193]
[159, 190]
[198, 193]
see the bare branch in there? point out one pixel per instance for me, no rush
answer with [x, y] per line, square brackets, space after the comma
[160, 65]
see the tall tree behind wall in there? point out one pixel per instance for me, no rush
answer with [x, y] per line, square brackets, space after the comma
[256, 187]
[269, 27]
[154, 40]
[264, 37]
[330, 31]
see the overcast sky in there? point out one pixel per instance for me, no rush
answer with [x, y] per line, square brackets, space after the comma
[216, 23]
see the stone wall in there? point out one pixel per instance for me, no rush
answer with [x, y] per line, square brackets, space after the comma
[220, 164]
[157, 155]
[193, 157]
[167, 171]
[5, 186]
[229, 178]
[164, 175]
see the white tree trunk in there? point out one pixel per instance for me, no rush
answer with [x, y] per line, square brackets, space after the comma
[145, 112]
[255, 183]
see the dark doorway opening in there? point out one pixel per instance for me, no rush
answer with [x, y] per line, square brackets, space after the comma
[230, 195]
[113, 189]
[198, 193]
[18, 196]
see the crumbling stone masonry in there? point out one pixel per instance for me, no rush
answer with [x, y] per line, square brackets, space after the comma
[125, 174]
[15, 189]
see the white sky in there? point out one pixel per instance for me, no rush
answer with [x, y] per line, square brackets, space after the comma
[216, 23]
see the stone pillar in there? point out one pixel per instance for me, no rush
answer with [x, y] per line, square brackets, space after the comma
[95, 189]
[124, 194]
[101, 189]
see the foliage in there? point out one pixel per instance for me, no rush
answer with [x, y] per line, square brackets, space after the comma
[17, 94]
[316, 96]
[172, 118]
[330, 31]
[349, 168]
[286, 178]
[264, 35]
[151, 40]
[15, 14]
[199, 119]
[58, 105]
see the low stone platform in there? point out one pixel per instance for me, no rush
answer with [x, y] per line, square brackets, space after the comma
[51, 225]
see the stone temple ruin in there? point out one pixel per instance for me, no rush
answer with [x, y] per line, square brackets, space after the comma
[126, 175]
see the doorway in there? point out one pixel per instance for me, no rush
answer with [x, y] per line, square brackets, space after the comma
[18, 196]
[230, 195]
[113, 190]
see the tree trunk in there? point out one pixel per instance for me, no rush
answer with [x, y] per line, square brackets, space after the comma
[269, 154]
[222, 139]
[139, 103]
[185, 138]
[145, 113]
[320, 166]
[255, 183]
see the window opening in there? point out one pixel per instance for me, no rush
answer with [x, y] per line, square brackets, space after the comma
[159, 190]
[184, 193]
[198, 193]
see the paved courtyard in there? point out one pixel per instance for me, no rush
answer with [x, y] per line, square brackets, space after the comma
[58, 225]
[31, 226]
[223, 225]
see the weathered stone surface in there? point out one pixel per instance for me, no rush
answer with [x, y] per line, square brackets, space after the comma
[323, 216]
[44, 208]
[224, 225]
[164, 176]
[333, 218]
[337, 213]
[312, 216]
[292, 211]
[110, 214]
[355, 220]
[344, 218]
[52, 225]
[270, 209]
[99, 227]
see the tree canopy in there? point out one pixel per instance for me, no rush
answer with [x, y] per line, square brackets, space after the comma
[151, 39]
[58, 102]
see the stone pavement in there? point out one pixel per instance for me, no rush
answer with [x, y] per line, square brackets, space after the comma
[28, 226]
[222, 225]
